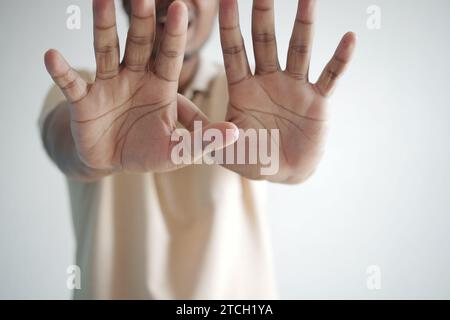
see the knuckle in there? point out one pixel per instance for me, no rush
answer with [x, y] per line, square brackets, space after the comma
[106, 49]
[230, 29]
[66, 81]
[69, 85]
[264, 37]
[297, 75]
[172, 53]
[331, 74]
[139, 40]
[301, 49]
[233, 50]
[262, 9]
[303, 22]
[267, 68]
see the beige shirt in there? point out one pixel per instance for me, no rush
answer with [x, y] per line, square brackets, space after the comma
[196, 233]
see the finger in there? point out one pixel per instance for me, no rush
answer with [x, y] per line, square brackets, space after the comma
[141, 35]
[234, 55]
[188, 113]
[170, 56]
[336, 67]
[264, 39]
[106, 42]
[300, 46]
[67, 79]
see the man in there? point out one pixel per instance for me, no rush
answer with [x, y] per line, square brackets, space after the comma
[145, 227]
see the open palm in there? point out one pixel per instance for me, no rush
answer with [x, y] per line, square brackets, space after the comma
[125, 119]
[280, 99]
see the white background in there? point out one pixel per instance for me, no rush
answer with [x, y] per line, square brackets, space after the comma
[381, 195]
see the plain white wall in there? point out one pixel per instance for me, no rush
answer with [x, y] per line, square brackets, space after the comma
[380, 197]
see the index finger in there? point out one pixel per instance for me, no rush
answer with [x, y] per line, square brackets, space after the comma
[106, 41]
[169, 60]
[233, 48]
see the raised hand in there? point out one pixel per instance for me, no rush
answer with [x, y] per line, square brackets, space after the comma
[124, 120]
[280, 99]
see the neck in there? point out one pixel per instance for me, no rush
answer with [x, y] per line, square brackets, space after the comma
[188, 72]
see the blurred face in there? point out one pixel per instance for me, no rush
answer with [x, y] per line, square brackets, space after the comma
[201, 19]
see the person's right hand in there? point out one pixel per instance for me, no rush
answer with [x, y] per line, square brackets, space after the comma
[125, 119]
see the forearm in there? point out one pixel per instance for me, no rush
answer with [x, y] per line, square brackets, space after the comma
[60, 146]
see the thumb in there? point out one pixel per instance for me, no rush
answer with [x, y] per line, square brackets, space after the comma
[188, 113]
[201, 137]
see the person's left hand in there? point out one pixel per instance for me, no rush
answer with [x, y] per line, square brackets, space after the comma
[280, 99]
